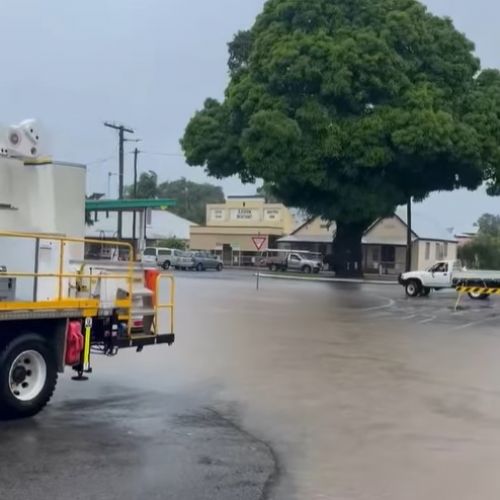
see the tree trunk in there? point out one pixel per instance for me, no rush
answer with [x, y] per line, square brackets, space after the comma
[348, 251]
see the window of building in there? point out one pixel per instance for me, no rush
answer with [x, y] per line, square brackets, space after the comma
[388, 254]
[439, 251]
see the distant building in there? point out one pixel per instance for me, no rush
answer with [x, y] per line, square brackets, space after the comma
[314, 235]
[384, 242]
[160, 225]
[464, 238]
[231, 227]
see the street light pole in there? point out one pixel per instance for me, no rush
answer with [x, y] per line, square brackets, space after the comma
[110, 174]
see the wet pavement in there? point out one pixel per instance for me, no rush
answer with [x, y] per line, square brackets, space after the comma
[298, 391]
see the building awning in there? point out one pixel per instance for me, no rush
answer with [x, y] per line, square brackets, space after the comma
[126, 205]
[327, 238]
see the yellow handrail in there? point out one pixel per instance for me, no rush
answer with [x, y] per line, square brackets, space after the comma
[170, 305]
[63, 240]
[63, 302]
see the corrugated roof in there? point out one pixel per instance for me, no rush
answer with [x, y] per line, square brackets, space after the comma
[425, 226]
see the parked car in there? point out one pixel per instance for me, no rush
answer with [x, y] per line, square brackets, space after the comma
[204, 260]
[164, 257]
[183, 260]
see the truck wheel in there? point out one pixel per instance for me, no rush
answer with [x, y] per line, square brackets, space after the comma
[413, 288]
[478, 296]
[199, 267]
[307, 270]
[273, 268]
[28, 376]
[166, 265]
[219, 267]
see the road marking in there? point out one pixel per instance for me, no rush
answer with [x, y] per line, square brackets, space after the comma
[390, 303]
[474, 323]
[428, 320]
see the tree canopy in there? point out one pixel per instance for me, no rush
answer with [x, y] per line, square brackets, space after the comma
[191, 198]
[348, 108]
[483, 251]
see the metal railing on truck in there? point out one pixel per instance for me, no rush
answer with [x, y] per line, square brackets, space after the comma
[63, 305]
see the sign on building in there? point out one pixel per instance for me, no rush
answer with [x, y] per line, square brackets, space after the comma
[217, 214]
[244, 214]
[272, 214]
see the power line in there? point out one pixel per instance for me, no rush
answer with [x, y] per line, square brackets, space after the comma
[100, 160]
[154, 153]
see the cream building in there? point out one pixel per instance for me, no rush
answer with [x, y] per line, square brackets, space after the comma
[232, 226]
[384, 243]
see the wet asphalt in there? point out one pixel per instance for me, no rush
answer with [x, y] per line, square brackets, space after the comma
[299, 391]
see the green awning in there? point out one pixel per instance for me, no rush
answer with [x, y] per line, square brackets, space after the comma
[127, 205]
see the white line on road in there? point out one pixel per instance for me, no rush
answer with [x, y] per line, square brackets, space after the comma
[474, 323]
[390, 303]
[428, 320]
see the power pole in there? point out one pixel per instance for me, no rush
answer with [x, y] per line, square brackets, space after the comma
[121, 167]
[409, 235]
[136, 154]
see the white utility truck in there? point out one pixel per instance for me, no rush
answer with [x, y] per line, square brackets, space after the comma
[449, 274]
[55, 307]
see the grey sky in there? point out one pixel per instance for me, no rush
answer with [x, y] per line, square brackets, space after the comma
[150, 64]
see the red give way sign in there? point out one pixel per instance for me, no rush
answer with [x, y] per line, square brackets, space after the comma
[259, 241]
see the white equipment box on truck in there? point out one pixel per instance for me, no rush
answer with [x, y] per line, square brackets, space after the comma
[55, 307]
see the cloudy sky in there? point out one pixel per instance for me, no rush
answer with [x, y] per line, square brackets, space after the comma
[150, 64]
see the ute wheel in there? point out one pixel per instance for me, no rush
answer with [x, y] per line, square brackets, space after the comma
[413, 288]
[28, 376]
[478, 296]
[307, 270]
[166, 265]
[219, 267]
[425, 291]
[199, 267]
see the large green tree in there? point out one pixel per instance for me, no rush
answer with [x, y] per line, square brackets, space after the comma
[191, 198]
[347, 108]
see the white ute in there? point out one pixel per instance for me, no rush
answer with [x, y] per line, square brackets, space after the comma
[446, 274]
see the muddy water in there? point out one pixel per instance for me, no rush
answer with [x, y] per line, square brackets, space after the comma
[356, 405]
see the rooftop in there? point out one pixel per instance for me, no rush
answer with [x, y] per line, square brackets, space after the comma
[426, 227]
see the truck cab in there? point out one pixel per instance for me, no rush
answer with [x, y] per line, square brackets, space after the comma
[438, 276]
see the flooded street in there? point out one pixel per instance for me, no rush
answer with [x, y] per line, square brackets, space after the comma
[298, 391]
